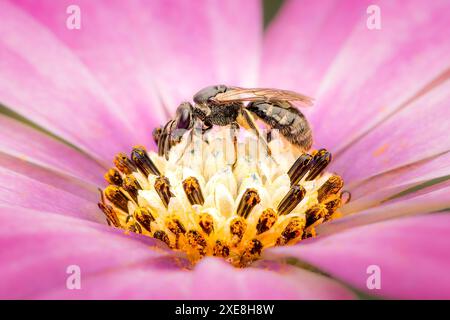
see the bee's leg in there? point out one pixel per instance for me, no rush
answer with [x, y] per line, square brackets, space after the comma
[250, 122]
[234, 126]
[198, 125]
[205, 130]
[269, 136]
[163, 140]
[190, 138]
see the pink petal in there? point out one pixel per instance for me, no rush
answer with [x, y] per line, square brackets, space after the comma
[381, 71]
[22, 191]
[53, 178]
[409, 181]
[45, 82]
[42, 245]
[303, 41]
[28, 144]
[429, 200]
[114, 265]
[287, 283]
[147, 50]
[415, 133]
[412, 255]
[402, 192]
[408, 176]
[212, 278]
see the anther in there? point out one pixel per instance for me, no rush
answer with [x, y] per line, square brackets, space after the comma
[143, 162]
[266, 221]
[193, 191]
[144, 217]
[308, 233]
[291, 199]
[315, 213]
[175, 226]
[117, 197]
[255, 247]
[197, 241]
[237, 230]
[161, 235]
[132, 186]
[124, 164]
[249, 200]
[299, 168]
[206, 222]
[330, 187]
[251, 253]
[110, 214]
[221, 250]
[293, 230]
[162, 187]
[112, 176]
[319, 162]
[332, 205]
[135, 227]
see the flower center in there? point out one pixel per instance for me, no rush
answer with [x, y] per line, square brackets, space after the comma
[209, 198]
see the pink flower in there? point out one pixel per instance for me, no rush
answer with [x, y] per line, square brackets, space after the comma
[74, 98]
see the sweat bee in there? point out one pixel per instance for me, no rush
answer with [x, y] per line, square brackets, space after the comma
[221, 105]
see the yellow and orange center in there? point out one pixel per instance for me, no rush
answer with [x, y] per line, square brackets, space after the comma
[200, 202]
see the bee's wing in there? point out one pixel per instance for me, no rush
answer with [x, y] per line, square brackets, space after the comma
[263, 94]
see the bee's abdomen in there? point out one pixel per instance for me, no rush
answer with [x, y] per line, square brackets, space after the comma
[281, 115]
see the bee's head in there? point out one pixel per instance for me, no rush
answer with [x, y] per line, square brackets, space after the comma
[204, 96]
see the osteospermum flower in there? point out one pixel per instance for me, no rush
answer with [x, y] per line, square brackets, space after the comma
[74, 99]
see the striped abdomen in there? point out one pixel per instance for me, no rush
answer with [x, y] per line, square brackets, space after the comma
[290, 122]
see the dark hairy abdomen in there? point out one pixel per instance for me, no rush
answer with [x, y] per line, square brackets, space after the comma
[291, 123]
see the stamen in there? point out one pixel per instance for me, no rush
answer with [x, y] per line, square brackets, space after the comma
[143, 162]
[249, 200]
[175, 226]
[299, 168]
[251, 253]
[162, 187]
[144, 217]
[206, 222]
[124, 164]
[132, 186]
[221, 249]
[112, 176]
[117, 197]
[161, 235]
[293, 230]
[332, 186]
[291, 199]
[315, 213]
[135, 227]
[196, 241]
[319, 162]
[308, 233]
[237, 230]
[110, 214]
[332, 205]
[266, 221]
[193, 191]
